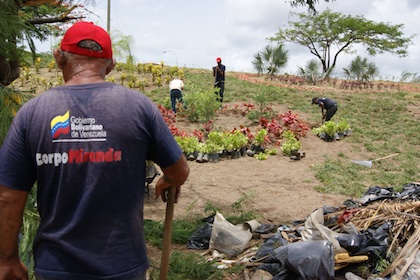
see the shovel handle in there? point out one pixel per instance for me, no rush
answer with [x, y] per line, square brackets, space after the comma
[393, 155]
[167, 234]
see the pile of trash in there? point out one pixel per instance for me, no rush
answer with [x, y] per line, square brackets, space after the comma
[374, 237]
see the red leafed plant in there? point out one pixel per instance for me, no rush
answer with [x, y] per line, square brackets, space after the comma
[168, 115]
[293, 123]
[177, 132]
[208, 126]
[275, 129]
[199, 134]
[248, 107]
[245, 130]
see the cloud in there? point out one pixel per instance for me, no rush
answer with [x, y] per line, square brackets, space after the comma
[199, 31]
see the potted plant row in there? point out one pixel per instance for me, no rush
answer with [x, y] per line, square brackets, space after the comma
[218, 144]
[331, 131]
[257, 143]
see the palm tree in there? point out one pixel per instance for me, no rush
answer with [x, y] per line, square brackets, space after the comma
[312, 72]
[410, 77]
[270, 59]
[258, 63]
[360, 69]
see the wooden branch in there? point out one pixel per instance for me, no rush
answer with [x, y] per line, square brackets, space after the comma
[61, 18]
[51, 20]
[28, 3]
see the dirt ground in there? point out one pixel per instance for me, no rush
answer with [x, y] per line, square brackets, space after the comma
[279, 189]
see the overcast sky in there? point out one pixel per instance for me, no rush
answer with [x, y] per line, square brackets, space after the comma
[194, 33]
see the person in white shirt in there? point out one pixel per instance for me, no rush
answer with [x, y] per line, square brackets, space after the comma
[175, 89]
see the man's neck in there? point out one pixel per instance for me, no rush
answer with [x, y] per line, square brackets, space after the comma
[85, 79]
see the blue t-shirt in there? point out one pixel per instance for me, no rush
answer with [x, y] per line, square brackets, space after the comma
[218, 72]
[86, 146]
[328, 103]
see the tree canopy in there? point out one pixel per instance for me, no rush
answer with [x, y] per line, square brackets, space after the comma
[328, 34]
[25, 20]
[270, 59]
[360, 69]
[309, 3]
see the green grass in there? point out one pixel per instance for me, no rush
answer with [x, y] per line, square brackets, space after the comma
[191, 266]
[381, 124]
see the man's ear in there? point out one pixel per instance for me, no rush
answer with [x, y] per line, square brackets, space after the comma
[111, 66]
[59, 58]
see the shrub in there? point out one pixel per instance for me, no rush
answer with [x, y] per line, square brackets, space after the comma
[201, 106]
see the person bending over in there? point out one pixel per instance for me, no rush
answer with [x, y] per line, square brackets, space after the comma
[175, 90]
[328, 107]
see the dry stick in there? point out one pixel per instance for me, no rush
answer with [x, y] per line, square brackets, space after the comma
[394, 241]
[373, 216]
[398, 212]
[406, 254]
[167, 234]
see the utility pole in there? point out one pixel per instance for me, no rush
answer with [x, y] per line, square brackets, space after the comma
[176, 57]
[108, 20]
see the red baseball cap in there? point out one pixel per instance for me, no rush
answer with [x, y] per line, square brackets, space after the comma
[218, 59]
[87, 31]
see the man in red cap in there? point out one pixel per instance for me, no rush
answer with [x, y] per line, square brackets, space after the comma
[219, 79]
[85, 143]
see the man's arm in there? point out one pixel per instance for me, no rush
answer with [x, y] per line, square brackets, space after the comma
[222, 71]
[321, 104]
[174, 175]
[12, 205]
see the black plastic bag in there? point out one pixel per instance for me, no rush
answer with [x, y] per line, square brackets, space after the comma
[200, 239]
[371, 242]
[376, 193]
[306, 260]
[270, 244]
[411, 191]
[265, 228]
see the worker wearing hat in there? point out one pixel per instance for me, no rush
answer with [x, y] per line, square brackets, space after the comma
[219, 79]
[328, 107]
[86, 144]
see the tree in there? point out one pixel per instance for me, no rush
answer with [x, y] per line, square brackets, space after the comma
[312, 72]
[309, 3]
[270, 59]
[258, 63]
[24, 20]
[360, 69]
[329, 32]
[123, 46]
[410, 77]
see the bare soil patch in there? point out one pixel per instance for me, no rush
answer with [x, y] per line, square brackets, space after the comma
[280, 189]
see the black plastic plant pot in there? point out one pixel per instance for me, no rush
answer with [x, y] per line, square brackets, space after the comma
[215, 157]
[329, 138]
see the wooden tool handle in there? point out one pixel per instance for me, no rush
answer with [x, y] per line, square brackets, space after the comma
[393, 155]
[167, 234]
